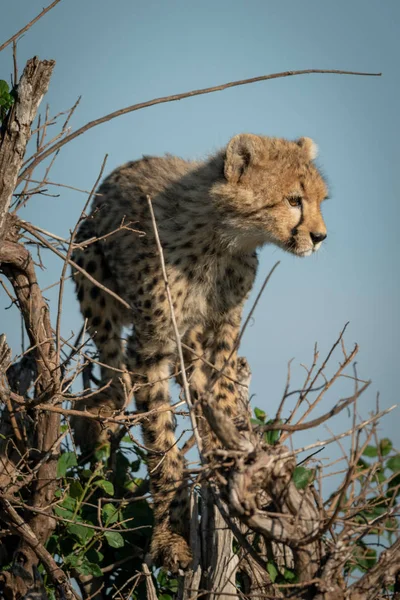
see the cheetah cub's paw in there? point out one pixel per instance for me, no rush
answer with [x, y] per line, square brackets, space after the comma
[170, 550]
[89, 433]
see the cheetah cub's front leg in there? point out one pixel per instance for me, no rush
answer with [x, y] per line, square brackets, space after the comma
[151, 361]
[216, 375]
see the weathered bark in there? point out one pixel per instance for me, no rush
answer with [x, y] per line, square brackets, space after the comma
[17, 265]
[150, 590]
[219, 561]
[256, 581]
[382, 575]
[260, 478]
[16, 132]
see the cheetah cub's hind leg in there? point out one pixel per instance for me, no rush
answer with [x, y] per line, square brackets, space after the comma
[105, 318]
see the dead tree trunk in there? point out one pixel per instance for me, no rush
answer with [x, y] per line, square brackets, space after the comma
[44, 427]
[16, 131]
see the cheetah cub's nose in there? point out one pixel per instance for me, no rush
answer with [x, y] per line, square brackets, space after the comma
[317, 238]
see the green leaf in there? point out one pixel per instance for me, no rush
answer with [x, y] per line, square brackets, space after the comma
[83, 565]
[94, 556]
[52, 544]
[393, 489]
[302, 477]
[66, 508]
[271, 437]
[130, 486]
[288, 575]
[139, 512]
[371, 451]
[110, 514]
[4, 87]
[391, 526]
[256, 422]
[68, 503]
[375, 511]
[173, 585]
[165, 597]
[385, 446]
[75, 489]
[80, 532]
[88, 568]
[380, 476]
[272, 571]
[66, 460]
[105, 485]
[393, 463]
[102, 452]
[114, 539]
[362, 465]
[86, 473]
[366, 557]
[162, 578]
[260, 414]
[95, 570]
[72, 560]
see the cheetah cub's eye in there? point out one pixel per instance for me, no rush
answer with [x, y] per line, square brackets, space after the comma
[295, 201]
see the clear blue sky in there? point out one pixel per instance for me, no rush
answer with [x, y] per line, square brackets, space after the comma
[116, 54]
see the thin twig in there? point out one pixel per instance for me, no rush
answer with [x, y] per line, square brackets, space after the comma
[304, 394]
[315, 422]
[175, 328]
[63, 185]
[253, 308]
[15, 63]
[33, 232]
[40, 230]
[346, 433]
[68, 256]
[29, 25]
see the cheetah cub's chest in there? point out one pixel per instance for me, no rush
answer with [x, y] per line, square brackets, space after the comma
[211, 288]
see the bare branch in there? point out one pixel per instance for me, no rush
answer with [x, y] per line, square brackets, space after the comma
[67, 259]
[29, 25]
[217, 88]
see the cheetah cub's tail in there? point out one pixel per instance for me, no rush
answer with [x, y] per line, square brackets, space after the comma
[104, 317]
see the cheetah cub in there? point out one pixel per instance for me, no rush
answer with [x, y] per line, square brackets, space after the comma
[211, 216]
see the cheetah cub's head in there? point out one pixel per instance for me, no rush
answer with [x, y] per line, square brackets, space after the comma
[272, 193]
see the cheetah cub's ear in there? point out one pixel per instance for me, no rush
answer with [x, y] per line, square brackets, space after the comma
[242, 151]
[309, 146]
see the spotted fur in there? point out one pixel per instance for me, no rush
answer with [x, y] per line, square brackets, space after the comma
[211, 217]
